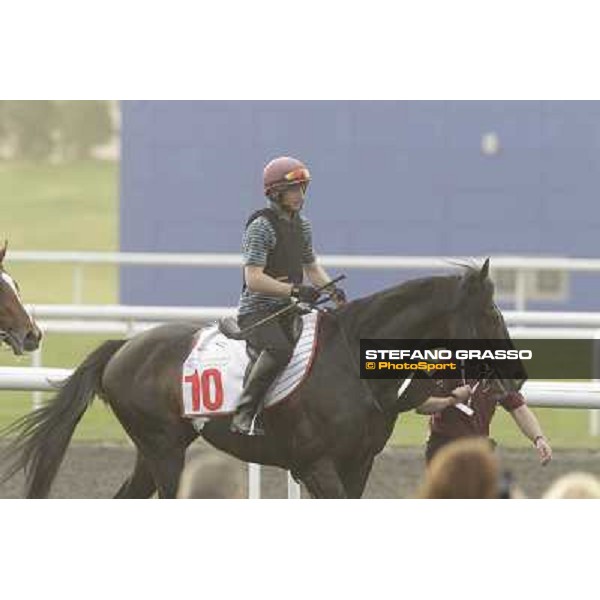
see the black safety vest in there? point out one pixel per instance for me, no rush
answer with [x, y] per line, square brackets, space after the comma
[284, 261]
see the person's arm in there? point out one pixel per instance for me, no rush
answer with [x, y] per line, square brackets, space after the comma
[531, 428]
[316, 274]
[435, 404]
[318, 277]
[261, 283]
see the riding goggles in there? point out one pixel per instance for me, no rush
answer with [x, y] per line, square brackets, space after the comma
[301, 175]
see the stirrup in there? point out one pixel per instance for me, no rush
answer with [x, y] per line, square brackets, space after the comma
[255, 425]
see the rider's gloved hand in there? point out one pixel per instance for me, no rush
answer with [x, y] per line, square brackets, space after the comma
[305, 293]
[338, 296]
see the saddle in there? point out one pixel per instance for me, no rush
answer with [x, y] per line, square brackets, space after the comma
[213, 372]
[229, 328]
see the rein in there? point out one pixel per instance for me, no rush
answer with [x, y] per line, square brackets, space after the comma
[288, 308]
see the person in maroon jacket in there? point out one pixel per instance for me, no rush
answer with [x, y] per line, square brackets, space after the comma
[461, 410]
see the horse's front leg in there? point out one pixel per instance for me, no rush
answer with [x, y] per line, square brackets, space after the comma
[322, 480]
[355, 476]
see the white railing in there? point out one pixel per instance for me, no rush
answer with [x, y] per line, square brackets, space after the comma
[160, 314]
[520, 264]
[212, 313]
[350, 261]
[538, 393]
[128, 320]
[32, 378]
[559, 319]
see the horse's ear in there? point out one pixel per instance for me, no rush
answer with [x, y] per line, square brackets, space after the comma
[485, 270]
[3, 251]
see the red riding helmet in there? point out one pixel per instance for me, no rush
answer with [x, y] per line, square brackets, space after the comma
[284, 172]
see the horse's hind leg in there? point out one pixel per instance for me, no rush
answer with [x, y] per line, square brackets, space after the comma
[322, 479]
[141, 482]
[166, 470]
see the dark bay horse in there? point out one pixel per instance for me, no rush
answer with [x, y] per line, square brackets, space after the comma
[17, 328]
[327, 434]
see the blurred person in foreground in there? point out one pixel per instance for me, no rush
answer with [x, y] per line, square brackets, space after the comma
[466, 468]
[448, 422]
[213, 477]
[578, 485]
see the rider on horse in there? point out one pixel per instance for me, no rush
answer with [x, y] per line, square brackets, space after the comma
[278, 253]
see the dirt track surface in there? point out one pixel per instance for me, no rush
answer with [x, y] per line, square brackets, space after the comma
[97, 471]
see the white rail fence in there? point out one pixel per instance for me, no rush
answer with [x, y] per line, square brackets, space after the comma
[128, 320]
[526, 318]
[538, 393]
[521, 265]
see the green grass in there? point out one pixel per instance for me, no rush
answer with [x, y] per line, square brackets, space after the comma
[74, 207]
[64, 351]
[565, 428]
[63, 207]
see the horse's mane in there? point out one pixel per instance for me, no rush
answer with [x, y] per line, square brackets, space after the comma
[375, 306]
[362, 311]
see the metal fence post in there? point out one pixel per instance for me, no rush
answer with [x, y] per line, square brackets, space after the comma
[36, 361]
[594, 420]
[521, 289]
[253, 481]
[294, 491]
[77, 283]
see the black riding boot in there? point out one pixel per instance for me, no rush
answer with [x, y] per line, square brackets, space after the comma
[262, 375]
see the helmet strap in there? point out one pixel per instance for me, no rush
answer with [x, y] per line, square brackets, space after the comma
[274, 197]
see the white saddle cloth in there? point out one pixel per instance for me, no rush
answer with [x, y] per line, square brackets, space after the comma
[212, 375]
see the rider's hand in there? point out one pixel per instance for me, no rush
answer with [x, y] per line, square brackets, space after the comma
[338, 296]
[544, 450]
[460, 394]
[305, 293]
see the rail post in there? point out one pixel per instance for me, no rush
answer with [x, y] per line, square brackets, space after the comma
[594, 420]
[78, 283]
[36, 362]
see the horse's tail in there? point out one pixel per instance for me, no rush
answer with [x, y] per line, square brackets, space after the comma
[43, 435]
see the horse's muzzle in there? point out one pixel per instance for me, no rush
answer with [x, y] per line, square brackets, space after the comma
[32, 340]
[21, 342]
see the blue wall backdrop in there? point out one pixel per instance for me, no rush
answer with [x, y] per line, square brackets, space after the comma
[405, 178]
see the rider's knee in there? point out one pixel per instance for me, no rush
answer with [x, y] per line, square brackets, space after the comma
[281, 356]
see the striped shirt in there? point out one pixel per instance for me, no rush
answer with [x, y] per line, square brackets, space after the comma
[259, 239]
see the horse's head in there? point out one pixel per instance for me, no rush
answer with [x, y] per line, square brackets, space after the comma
[474, 315]
[473, 312]
[439, 308]
[17, 328]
